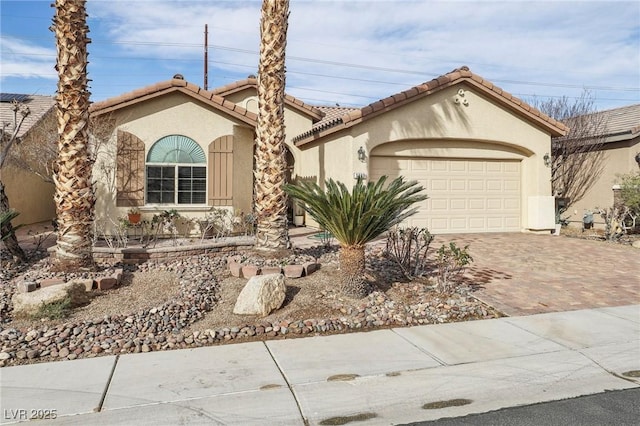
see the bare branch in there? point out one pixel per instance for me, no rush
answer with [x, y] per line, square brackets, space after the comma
[577, 158]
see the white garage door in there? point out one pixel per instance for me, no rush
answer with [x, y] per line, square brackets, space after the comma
[464, 195]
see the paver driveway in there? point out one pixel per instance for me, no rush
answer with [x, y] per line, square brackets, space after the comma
[523, 274]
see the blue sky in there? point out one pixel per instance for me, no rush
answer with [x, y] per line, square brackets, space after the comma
[341, 52]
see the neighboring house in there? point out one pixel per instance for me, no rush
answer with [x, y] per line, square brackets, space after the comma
[621, 146]
[477, 150]
[27, 193]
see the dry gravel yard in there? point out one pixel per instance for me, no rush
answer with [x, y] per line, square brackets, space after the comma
[189, 303]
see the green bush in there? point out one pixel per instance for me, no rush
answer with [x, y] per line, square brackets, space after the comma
[451, 262]
[56, 310]
[5, 219]
[630, 191]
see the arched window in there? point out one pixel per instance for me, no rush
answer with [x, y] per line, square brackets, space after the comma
[176, 172]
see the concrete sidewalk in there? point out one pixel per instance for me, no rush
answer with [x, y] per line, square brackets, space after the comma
[378, 377]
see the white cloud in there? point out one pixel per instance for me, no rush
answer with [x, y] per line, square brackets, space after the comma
[562, 43]
[25, 60]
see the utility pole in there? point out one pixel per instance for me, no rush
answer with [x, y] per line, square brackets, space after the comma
[206, 56]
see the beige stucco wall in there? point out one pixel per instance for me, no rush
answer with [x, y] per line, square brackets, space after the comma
[171, 114]
[436, 126]
[619, 159]
[180, 114]
[29, 195]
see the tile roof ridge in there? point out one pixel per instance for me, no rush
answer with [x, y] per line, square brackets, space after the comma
[179, 84]
[252, 82]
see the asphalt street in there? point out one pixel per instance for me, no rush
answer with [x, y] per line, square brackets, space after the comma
[615, 408]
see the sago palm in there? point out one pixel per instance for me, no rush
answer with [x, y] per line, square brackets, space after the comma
[357, 217]
[270, 160]
[74, 194]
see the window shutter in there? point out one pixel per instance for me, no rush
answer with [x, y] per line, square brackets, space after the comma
[221, 171]
[130, 165]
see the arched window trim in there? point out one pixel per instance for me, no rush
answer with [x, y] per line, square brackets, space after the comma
[176, 149]
[176, 172]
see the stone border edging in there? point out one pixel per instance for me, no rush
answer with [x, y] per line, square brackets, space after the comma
[293, 271]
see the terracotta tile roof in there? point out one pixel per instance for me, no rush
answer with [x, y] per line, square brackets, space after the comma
[456, 76]
[38, 105]
[173, 85]
[252, 83]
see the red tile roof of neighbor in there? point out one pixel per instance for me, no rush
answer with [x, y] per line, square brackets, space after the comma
[174, 85]
[456, 76]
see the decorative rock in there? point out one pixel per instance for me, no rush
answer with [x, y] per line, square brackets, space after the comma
[249, 271]
[261, 295]
[87, 283]
[4, 356]
[117, 274]
[268, 270]
[48, 282]
[636, 244]
[106, 283]
[293, 271]
[310, 267]
[30, 303]
[235, 269]
[26, 286]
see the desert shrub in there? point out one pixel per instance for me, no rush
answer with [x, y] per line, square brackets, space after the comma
[451, 262]
[408, 248]
[215, 224]
[55, 310]
[630, 191]
[615, 219]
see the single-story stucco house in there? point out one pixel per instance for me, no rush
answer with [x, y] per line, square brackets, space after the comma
[621, 149]
[27, 193]
[477, 150]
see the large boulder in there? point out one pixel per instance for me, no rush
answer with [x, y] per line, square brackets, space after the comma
[28, 304]
[261, 295]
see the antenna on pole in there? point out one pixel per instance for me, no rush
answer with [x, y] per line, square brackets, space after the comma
[206, 56]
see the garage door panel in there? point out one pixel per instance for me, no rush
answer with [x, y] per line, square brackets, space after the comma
[439, 204]
[477, 204]
[438, 185]
[458, 166]
[477, 223]
[476, 184]
[512, 167]
[469, 195]
[494, 185]
[439, 166]
[512, 185]
[458, 224]
[458, 185]
[457, 204]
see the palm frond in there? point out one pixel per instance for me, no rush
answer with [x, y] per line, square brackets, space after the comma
[358, 216]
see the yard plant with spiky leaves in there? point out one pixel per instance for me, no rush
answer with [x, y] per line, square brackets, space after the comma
[357, 217]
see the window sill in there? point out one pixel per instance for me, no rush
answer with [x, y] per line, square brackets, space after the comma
[178, 207]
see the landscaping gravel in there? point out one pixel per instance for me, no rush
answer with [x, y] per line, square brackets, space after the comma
[173, 324]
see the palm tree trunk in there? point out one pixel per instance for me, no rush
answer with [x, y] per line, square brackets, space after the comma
[11, 242]
[352, 267]
[270, 168]
[74, 197]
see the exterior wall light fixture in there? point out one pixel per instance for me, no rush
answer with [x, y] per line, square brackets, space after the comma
[547, 159]
[362, 155]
